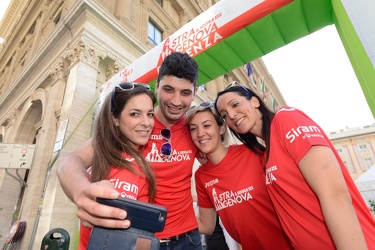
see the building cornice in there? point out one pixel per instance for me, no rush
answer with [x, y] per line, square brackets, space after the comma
[8, 17]
[350, 133]
[62, 38]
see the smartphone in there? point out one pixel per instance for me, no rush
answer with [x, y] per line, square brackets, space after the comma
[142, 215]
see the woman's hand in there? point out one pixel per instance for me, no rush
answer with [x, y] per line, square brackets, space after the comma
[92, 213]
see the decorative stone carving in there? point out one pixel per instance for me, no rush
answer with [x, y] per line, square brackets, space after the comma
[112, 69]
[12, 116]
[83, 50]
[59, 71]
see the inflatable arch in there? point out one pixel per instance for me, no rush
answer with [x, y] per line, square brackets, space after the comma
[234, 32]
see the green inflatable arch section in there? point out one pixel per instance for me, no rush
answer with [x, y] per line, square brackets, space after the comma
[292, 21]
[283, 26]
[362, 65]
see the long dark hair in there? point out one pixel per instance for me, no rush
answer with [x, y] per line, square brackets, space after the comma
[109, 143]
[249, 139]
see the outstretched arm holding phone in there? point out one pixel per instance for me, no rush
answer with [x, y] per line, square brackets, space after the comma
[73, 174]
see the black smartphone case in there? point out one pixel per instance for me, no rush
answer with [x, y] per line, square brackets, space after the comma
[145, 218]
[142, 215]
[124, 239]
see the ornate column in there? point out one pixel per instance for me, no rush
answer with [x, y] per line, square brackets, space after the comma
[75, 78]
[39, 201]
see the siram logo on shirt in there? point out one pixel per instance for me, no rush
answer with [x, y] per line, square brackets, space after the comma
[304, 131]
[126, 189]
[231, 198]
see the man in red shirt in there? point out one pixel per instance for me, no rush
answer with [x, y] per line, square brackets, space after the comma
[171, 153]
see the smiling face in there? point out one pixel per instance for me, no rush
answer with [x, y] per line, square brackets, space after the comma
[175, 96]
[205, 132]
[136, 120]
[240, 114]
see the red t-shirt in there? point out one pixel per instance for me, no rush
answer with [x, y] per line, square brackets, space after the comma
[293, 133]
[129, 185]
[173, 177]
[235, 189]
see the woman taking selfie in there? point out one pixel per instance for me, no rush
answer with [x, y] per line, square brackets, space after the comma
[122, 126]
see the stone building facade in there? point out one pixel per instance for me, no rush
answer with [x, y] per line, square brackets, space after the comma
[55, 56]
[356, 147]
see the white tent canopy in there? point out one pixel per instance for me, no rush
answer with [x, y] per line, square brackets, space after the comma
[366, 185]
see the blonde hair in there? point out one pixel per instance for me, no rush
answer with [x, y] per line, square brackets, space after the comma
[208, 107]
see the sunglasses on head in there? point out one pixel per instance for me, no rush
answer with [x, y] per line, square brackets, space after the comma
[166, 148]
[201, 107]
[126, 86]
[240, 85]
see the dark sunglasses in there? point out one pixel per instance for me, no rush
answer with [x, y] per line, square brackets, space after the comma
[201, 107]
[126, 86]
[166, 148]
[240, 85]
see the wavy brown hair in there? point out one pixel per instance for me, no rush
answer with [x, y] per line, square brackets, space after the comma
[109, 143]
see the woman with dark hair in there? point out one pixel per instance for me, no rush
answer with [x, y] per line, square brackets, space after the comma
[231, 183]
[122, 127]
[170, 151]
[314, 196]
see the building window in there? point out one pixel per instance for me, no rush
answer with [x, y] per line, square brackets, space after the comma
[226, 78]
[347, 160]
[362, 147]
[357, 152]
[154, 33]
[202, 87]
[160, 2]
[368, 162]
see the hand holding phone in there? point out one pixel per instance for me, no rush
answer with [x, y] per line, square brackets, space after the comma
[145, 218]
[142, 215]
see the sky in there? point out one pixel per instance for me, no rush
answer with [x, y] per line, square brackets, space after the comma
[314, 74]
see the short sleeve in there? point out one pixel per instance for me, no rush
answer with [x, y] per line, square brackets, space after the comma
[203, 198]
[296, 132]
